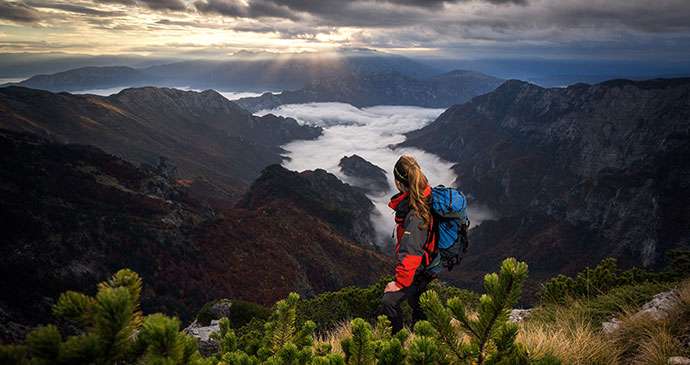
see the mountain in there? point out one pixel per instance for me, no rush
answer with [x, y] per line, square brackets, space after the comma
[202, 132]
[243, 71]
[383, 88]
[367, 175]
[574, 175]
[73, 214]
[24, 64]
[567, 80]
[88, 78]
[317, 194]
[261, 71]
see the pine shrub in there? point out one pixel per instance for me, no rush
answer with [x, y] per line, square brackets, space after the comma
[114, 331]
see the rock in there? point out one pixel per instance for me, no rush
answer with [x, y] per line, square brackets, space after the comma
[661, 305]
[519, 315]
[611, 326]
[168, 169]
[678, 360]
[365, 174]
[221, 309]
[207, 346]
[658, 308]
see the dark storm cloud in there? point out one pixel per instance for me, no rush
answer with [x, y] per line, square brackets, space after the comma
[439, 3]
[357, 13]
[177, 5]
[165, 4]
[237, 9]
[18, 12]
[74, 9]
[122, 2]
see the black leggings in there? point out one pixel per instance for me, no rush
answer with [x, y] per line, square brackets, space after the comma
[391, 302]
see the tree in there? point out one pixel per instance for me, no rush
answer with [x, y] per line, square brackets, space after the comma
[489, 327]
[113, 331]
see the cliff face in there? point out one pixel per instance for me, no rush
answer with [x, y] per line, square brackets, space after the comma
[203, 133]
[574, 174]
[72, 215]
[383, 88]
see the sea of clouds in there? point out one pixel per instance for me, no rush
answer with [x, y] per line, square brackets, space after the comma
[371, 133]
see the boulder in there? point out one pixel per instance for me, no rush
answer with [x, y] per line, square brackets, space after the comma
[207, 346]
[519, 315]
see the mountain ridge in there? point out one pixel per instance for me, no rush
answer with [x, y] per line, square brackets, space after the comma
[384, 87]
[574, 174]
[204, 133]
[243, 71]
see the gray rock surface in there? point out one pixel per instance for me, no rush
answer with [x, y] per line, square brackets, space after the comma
[678, 360]
[610, 326]
[519, 315]
[207, 346]
[661, 305]
[658, 308]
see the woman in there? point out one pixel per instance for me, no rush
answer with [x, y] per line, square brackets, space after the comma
[416, 268]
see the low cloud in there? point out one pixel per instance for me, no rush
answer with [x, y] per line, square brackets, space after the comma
[19, 12]
[370, 133]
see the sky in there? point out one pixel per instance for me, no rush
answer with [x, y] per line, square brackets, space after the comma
[637, 30]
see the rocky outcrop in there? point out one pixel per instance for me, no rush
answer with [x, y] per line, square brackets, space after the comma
[365, 174]
[660, 307]
[384, 87]
[207, 345]
[575, 174]
[519, 315]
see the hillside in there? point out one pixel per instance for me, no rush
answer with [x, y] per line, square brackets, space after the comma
[74, 214]
[574, 175]
[202, 132]
[383, 88]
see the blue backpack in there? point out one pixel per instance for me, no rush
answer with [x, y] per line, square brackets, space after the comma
[450, 224]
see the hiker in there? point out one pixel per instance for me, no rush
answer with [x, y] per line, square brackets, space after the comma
[413, 218]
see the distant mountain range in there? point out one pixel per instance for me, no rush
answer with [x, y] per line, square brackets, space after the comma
[244, 71]
[575, 175]
[87, 78]
[73, 214]
[204, 133]
[383, 88]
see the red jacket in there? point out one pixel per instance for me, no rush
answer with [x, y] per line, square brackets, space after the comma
[409, 250]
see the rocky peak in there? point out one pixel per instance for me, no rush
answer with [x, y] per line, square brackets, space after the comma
[366, 175]
[319, 194]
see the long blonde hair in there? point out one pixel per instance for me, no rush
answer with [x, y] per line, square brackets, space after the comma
[414, 179]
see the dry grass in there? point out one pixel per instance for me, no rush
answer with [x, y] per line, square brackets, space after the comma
[573, 336]
[570, 337]
[333, 337]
